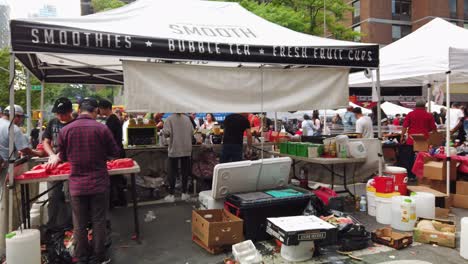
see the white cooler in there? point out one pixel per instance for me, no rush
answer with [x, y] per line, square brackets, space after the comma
[208, 202]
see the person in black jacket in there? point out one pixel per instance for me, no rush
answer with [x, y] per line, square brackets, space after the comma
[118, 183]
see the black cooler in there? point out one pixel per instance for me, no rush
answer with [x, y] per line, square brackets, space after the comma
[255, 207]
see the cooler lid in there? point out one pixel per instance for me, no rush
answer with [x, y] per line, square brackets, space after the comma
[250, 176]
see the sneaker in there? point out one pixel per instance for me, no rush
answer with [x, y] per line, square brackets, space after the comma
[170, 198]
[107, 261]
[185, 197]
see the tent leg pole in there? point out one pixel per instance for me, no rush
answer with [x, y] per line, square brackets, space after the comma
[41, 118]
[11, 148]
[429, 98]
[276, 121]
[379, 118]
[28, 104]
[447, 128]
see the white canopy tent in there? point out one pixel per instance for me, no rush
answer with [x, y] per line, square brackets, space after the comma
[434, 107]
[392, 109]
[147, 44]
[435, 53]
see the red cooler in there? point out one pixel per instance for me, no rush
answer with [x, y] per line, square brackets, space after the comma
[400, 177]
[384, 184]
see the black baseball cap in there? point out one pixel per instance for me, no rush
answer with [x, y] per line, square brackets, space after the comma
[62, 106]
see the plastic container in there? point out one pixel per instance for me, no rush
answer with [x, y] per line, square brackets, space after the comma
[357, 149]
[383, 203]
[292, 148]
[464, 238]
[302, 252]
[255, 208]
[23, 247]
[246, 253]
[371, 208]
[400, 178]
[363, 204]
[403, 213]
[342, 142]
[425, 205]
[384, 184]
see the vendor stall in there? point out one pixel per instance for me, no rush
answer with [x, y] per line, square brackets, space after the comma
[418, 60]
[207, 56]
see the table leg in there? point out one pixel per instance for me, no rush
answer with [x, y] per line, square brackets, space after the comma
[28, 206]
[333, 176]
[23, 205]
[294, 168]
[345, 181]
[135, 209]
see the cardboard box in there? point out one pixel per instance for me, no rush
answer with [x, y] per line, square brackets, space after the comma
[437, 170]
[460, 201]
[217, 227]
[422, 144]
[462, 187]
[442, 213]
[294, 229]
[445, 239]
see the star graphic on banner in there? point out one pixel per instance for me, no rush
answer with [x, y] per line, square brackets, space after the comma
[262, 51]
[149, 43]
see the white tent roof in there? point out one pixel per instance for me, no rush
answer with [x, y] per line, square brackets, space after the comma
[62, 49]
[423, 56]
[393, 109]
[435, 107]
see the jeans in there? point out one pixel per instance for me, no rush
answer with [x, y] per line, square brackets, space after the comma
[88, 208]
[406, 158]
[174, 169]
[60, 213]
[231, 153]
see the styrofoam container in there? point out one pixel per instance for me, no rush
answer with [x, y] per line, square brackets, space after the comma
[383, 203]
[302, 252]
[246, 253]
[208, 202]
[371, 207]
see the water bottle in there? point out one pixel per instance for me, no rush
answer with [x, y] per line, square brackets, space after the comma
[363, 204]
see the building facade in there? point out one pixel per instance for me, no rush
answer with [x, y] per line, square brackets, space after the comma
[384, 21]
[4, 24]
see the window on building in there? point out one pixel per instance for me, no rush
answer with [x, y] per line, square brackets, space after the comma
[400, 31]
[465, 9]
[357, 29]
[356, 11]
[401, 9]
[453, 7]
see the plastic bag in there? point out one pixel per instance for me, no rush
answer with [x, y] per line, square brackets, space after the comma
[56, 251]
[418, 167]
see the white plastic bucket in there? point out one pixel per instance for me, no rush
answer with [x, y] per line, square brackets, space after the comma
[464, 238]
[383, 203]
[371, 208]
[302, 252]
[403, 213]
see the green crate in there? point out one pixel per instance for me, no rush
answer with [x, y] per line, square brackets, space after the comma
[283, 146]
[303, 150]
[292, 148]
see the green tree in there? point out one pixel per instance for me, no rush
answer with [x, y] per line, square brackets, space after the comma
[103, 5]
[304, 15]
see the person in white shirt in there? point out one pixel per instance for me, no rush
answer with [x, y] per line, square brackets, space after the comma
[308, 126]
[456, 117]
[363, 124]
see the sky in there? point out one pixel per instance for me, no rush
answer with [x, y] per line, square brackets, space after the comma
[65, 8]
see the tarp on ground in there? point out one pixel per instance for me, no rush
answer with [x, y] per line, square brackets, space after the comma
[422, 57]
[89, 49]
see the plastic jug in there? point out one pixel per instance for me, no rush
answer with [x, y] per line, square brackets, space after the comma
[464, 238]
[425, 205]
[403, 213]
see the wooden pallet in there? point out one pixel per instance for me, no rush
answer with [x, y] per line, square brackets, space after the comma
[211, 250]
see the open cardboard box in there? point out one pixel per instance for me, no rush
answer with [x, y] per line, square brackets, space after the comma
[445, 238]
[422, 144]
[217, 227]
[437, 170]
[386, 236]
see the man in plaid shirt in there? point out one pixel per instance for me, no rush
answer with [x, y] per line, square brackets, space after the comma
[87, 145]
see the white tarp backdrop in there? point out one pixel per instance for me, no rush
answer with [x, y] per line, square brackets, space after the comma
[184, 88]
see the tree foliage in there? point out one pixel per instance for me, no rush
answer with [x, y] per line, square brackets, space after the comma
[104, 5]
